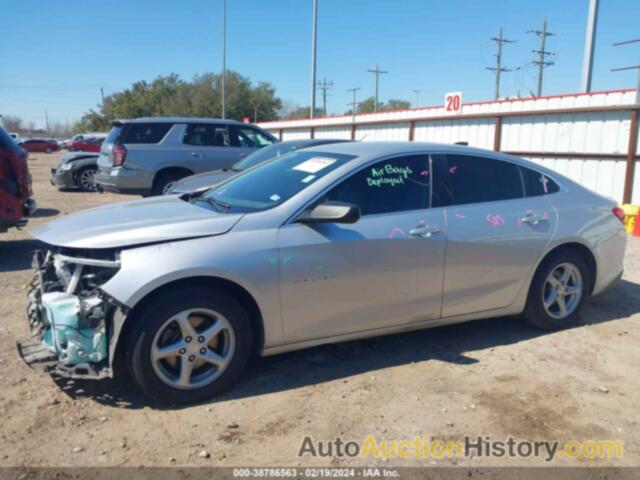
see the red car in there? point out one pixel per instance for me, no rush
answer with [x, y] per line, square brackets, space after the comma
[86, 145]
[16, 200]
[37, 145]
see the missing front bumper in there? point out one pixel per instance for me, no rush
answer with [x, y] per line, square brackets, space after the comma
[41, 359]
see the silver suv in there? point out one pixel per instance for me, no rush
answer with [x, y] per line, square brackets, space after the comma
[146, 156]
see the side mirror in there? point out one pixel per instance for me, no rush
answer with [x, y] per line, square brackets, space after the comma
[331, 212]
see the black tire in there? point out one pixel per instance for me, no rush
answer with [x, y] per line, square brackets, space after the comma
[164, 180]
[153, 317]
[535, 312]
[79, 175]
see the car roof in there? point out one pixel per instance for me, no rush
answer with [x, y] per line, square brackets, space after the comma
[366, 151]
[310, 142]
[161, 119]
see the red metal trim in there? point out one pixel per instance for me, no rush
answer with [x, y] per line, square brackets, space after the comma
[585, 155]
[631, 155]
[483, 102]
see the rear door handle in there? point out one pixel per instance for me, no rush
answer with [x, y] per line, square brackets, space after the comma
[196, 154]
[424, 231]
[533, 218]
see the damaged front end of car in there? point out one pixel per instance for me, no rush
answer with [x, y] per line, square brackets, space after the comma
[71, 318]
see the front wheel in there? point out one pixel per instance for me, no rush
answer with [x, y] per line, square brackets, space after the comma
[85, 179]
[557, 291]
[189, 345]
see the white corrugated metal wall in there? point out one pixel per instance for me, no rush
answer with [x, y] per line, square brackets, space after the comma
[602, 133]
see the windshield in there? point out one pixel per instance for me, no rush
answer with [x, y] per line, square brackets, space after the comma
[266, 153]
[275, 182]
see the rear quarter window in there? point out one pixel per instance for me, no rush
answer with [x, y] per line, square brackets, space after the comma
[536, 183]
[145, 132]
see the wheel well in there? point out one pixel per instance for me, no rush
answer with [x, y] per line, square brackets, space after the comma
[239, 293]
[171, 170]
[586, 254]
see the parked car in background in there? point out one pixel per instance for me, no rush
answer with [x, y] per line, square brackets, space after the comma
[272, 152]
[90, 144]
[40, 146]
[16, 196]
[327, 244]
[76, 170]
[147, 156]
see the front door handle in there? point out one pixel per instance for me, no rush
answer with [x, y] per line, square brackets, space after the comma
[196, 154]
[533, 218]
[424, 231]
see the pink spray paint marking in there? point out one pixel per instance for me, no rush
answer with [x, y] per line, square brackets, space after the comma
[453, 169]
[495, 220]
[459, 215]
[397, 232]
[544, 181]
[424, 173]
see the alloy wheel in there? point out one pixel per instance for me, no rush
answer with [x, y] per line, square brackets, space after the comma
[562, 291]
[192, 348]
[86, 180]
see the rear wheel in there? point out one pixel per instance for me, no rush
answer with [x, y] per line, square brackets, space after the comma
[189, 345]
[558, 290]
[85, 179]
[166, 181]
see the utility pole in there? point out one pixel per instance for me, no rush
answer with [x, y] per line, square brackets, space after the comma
[46, 121]
[102, 98]
[417, 92]
[314, 38]
[500, 41]
[633, 67]
[223, 100]
[589, 46]
[542, 62]
[354, 103]
[377, 72]
[324, 87]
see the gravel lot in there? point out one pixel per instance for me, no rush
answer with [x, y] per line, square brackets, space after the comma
[496, 377]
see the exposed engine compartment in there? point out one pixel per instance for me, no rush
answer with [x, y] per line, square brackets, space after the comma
[68, 313]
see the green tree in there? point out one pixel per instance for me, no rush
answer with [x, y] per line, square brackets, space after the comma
[200, 97]
[368, 105]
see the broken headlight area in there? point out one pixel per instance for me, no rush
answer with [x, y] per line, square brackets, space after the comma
[69, 314]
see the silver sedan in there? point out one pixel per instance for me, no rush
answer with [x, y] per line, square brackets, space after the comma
[326, 244]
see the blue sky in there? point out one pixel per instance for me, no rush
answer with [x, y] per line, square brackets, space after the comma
[57, 54]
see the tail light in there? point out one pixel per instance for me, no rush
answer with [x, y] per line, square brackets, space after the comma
[119, 155]
[619, 213]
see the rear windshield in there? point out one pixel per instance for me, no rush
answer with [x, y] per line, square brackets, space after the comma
[113, 135]
[145, 132]
[6, 141]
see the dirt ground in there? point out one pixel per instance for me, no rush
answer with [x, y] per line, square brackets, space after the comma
[496, 377]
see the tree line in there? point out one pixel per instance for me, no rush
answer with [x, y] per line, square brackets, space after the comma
[171, 95]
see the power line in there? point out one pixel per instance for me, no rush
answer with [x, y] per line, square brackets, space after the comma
[542, 61]
[417, 92]
[354, 104]
[499, 69]
[632, 67]
[324, 87]
[377, 72]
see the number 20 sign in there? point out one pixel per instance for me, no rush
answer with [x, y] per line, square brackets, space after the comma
[453, 102]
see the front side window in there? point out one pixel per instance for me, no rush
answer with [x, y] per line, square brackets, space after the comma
[480, 179]
[206, 135]
[273, 183]
[394, 185]
[249, 137]
[146, 132]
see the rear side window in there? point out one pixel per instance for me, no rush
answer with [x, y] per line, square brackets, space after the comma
[146, 132]
[536, 183]
[395, 185]
[480, 179]
[206, 135]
